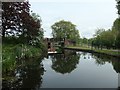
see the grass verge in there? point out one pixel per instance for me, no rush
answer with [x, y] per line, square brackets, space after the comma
[103, 51]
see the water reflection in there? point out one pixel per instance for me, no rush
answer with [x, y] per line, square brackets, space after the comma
[28, 74]
[102, 59]
[88, 71]
[85, 55]
[66, 62]
[87, 68]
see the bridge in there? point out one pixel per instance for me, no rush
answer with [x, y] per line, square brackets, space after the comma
[55, 46]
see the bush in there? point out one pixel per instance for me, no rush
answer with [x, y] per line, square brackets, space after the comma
[11, 53]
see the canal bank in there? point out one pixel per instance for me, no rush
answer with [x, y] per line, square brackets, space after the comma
[113, 53]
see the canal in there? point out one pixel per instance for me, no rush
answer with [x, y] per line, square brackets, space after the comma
[71, 69]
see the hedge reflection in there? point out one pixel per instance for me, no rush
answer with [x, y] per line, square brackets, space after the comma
[28, 74]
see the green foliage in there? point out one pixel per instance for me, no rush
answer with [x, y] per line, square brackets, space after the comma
[35, 33]
[84, 40]
[59, 50]
[109, 52]
[117, 43]
[11, 53]
[116, 29]
[104, 39]
[116, 24]
[22, 34]
[118, 6]
[8, 59]
[19, 26]
[65, 30]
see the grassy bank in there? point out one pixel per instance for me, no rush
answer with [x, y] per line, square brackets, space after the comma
[11, 53]
[110, 52]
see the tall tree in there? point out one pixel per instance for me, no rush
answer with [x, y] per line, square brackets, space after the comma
[65, 30]
[18, 22]
[118, 6]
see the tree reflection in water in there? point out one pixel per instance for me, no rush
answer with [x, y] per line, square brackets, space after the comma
[102, 59]
[28, 74]
[85, 55]
[65, 63]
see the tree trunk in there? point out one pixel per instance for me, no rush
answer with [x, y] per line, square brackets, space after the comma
[3, 33]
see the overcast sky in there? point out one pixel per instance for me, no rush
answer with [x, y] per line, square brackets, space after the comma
[88, 15]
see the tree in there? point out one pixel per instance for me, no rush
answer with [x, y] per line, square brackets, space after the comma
[116, 26]
[12, 21]
[36, 36]
[107, 39]
[104, 38]
[20, 24]
[116, 29]
[118, 6]
[97, 42]
[65, 30]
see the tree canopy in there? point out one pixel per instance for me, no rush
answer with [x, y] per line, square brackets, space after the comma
[18, 22]
[65, 30]
[13, 16]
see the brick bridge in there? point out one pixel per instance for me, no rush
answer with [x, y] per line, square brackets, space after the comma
[52, 44]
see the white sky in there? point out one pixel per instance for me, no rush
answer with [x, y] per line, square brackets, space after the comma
[88, 15]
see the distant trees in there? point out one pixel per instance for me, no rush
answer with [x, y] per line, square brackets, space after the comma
[116, 29]
[83, 41]
[108, 38]
[104, 39]
[19, 24]
[116, 26]
[65, 30]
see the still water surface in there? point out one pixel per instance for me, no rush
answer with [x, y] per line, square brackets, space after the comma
[79, 70]
[72, 69]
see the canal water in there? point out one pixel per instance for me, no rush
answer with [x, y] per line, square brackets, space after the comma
[71, 69]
